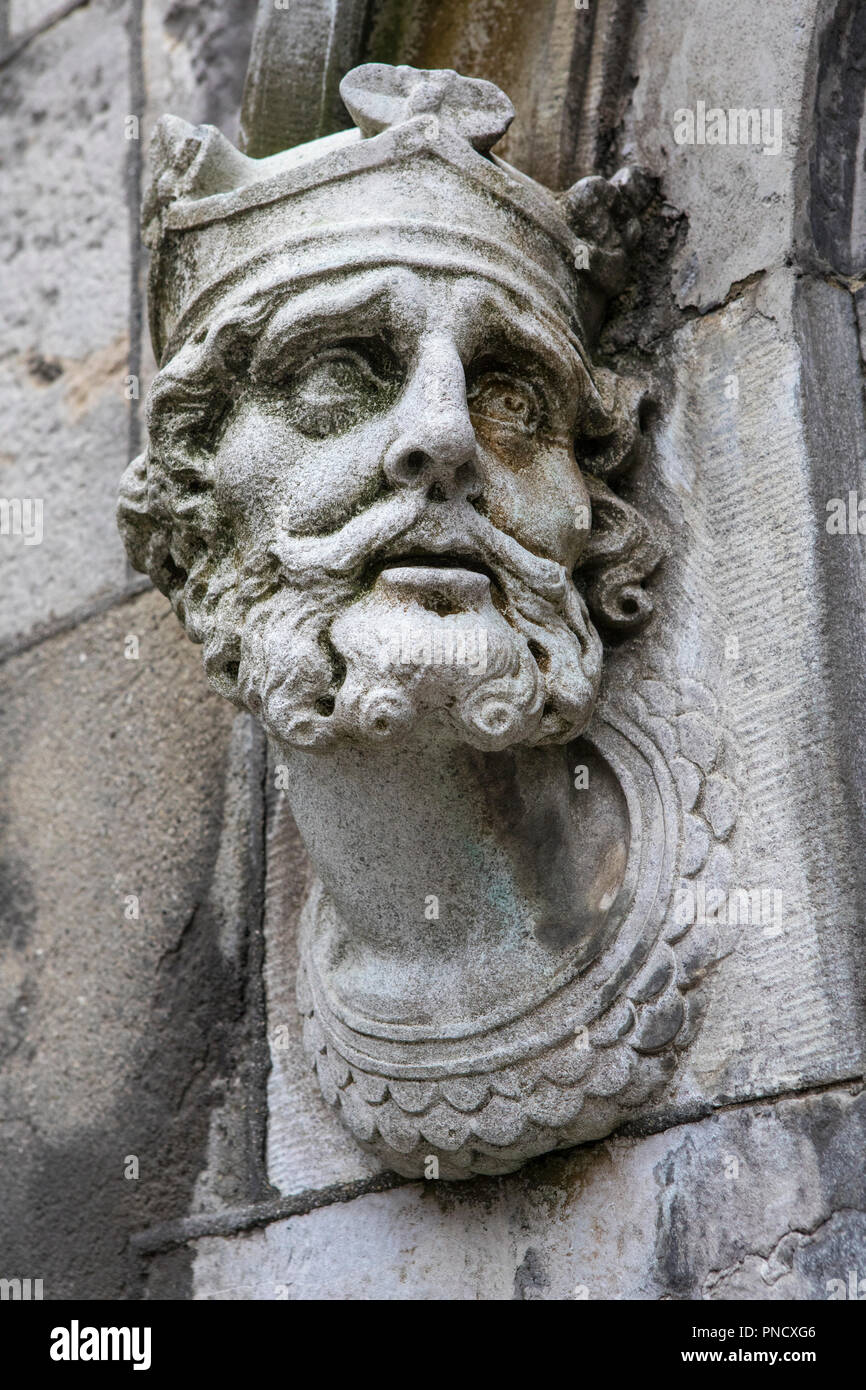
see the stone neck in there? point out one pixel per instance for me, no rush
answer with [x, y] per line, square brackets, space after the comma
[468, 879]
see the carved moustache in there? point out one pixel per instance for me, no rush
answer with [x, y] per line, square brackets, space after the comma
[405, 522]
[296, 588]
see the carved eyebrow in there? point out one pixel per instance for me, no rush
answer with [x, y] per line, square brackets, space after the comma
[520, 328]
[370, 301]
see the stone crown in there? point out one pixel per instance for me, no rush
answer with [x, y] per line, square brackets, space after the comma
[414, 182]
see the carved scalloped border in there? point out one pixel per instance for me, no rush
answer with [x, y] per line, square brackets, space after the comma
[579, 1090]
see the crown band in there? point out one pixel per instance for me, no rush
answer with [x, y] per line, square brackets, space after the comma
[330, 252]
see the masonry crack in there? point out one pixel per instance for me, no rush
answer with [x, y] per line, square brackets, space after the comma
[801, 1235]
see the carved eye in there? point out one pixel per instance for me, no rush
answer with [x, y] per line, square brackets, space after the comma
[336, 389]
[498, 398]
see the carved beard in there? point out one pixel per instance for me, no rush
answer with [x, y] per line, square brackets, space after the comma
[337, 642]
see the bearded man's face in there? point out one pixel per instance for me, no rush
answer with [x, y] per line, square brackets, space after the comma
[398, 471]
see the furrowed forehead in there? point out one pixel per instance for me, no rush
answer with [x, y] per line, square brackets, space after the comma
[404, 301]
[389, 297]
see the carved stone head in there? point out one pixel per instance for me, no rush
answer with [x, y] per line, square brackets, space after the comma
[377, 414]
[377, 489]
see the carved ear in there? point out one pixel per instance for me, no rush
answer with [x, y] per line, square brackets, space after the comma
[612, 429]
[619, 558]
[606, 215]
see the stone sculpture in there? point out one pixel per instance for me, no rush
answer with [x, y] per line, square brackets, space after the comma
[379, 488]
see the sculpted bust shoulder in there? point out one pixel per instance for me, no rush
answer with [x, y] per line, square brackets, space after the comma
[379, 488]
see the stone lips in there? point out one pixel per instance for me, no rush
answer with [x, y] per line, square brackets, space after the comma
[486, 1102]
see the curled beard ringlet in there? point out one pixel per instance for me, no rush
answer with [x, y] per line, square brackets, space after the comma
[305, 641]
[311, 640]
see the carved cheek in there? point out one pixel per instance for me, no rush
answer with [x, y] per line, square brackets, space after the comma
[265, 467]
[244, 461]
[545, 507]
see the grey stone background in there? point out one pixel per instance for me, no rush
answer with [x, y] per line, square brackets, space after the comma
[171, 1037]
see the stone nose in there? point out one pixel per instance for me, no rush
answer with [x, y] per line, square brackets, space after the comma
[436, 447]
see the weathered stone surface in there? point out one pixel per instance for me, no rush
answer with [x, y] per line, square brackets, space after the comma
[194, 60]
[65, 336]
[307, 1147]
[122, 1032]
[832, 229]
[742, 205]
[539, 55]
[452, 1038]
[151, 1043]
[744, 464]
[30, 14]
[784, 1004]
[563, 63]
[317, 42]
[759, 1202]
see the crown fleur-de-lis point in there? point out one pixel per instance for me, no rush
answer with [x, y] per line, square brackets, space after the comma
[379, 97]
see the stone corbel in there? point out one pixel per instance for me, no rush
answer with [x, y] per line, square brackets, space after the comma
[382, 489]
